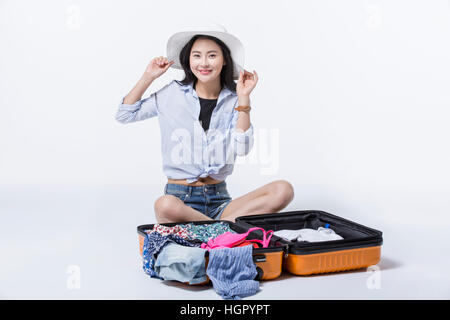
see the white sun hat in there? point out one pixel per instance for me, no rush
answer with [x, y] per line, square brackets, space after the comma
[178, 40]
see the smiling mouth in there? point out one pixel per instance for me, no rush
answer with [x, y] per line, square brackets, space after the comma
[205, 71]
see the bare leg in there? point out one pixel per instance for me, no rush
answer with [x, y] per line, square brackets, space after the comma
[169, 208]
[269, 198]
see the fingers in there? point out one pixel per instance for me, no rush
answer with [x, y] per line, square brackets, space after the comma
[168, 65]
[160, 61]
[163, 62]
[250, 76]
[245, 75]
[256, 76]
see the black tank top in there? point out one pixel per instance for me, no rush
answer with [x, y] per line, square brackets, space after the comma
[207, 107]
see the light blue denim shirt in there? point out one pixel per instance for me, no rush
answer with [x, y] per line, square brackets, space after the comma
[187, 151]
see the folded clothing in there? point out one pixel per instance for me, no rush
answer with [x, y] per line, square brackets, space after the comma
[153, 244]
[290, 235]
[178, 230]
[193, 232]
[206, 232]
[309, 235]
[232, 272]
[181, 263]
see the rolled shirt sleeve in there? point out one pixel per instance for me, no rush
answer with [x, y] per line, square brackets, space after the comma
[140, 110]
[243, 140]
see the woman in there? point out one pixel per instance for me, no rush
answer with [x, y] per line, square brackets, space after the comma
[205, 124]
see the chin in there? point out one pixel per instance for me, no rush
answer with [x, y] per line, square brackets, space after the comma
[206, 79]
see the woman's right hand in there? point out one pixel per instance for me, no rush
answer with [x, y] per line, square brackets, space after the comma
[157, 67]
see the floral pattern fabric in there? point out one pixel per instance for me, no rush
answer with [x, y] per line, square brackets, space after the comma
[192, 232]
[205, 232]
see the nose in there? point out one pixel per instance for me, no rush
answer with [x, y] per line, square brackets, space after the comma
[205, 62]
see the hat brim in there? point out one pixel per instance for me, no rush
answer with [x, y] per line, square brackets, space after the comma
[177, 41]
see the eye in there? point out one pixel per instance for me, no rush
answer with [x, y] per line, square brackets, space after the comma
[213, 55]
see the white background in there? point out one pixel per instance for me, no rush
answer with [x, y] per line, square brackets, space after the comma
[358, 92]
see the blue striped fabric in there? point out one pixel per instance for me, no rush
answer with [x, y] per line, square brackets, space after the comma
[232, 272]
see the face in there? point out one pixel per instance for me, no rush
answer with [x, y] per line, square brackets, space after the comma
[206, 60]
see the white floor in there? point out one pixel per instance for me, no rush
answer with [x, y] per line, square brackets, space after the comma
[64, 245]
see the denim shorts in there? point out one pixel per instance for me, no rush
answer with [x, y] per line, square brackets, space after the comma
[210, 199]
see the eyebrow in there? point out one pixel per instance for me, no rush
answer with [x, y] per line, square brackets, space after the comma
[207, 52]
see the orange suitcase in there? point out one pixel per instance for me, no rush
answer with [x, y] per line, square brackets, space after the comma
[359, 248]
[268, 260]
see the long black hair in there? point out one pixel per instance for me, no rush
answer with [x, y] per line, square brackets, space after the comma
[226, 75]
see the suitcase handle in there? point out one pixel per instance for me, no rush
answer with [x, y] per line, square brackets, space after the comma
[259, 258]
[260, 274]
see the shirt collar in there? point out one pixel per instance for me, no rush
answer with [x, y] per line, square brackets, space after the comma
[223, 93]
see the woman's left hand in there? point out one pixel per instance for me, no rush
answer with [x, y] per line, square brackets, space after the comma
[246, 82]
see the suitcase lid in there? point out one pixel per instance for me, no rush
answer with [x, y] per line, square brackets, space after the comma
[355, 235]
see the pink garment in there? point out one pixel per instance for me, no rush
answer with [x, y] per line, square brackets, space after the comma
[230, 240]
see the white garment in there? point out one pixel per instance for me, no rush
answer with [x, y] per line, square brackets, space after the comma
[309, 235]
[290, 235]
